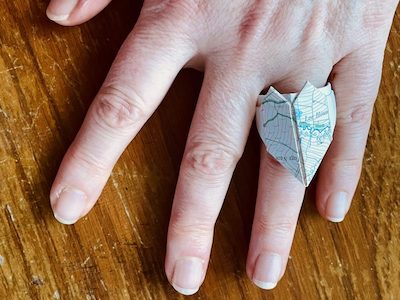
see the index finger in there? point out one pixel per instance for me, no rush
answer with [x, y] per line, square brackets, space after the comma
[139, 78]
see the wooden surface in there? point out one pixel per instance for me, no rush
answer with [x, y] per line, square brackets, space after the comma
[49, 75]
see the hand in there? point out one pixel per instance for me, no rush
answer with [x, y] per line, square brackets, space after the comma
[244, 47]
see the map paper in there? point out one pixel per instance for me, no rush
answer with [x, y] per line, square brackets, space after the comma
[297, 128]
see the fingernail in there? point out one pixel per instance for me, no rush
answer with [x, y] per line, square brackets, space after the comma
[69, 206]
[59, 10]
[187, 276]
[336, 207]
[267, 270]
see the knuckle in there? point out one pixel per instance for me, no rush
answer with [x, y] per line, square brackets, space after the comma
[379, 17]
[196, 230]
[190, 8]
[346, 165]
[273, 166]
[181, 214]
[253, 25]
[209, 159]
[281, 229]
[193, 228]
[359, 115]
[117, 108]
[173, 11]
[89, 162]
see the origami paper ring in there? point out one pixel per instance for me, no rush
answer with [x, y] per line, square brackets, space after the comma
[297, 128]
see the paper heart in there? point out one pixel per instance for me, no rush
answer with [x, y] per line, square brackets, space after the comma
[297, 128]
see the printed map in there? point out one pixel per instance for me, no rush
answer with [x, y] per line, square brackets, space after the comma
[297, 129]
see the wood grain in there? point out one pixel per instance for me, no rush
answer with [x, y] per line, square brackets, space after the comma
[49, 75]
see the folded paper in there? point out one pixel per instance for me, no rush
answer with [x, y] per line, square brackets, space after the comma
[297, 128]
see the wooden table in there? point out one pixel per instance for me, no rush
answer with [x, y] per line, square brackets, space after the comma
[49, 75]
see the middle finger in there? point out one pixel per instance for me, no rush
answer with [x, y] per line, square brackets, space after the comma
[216, 140]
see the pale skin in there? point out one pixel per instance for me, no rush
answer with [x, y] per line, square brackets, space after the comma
[243, 47]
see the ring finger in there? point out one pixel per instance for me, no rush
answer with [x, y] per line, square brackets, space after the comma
[279, 199]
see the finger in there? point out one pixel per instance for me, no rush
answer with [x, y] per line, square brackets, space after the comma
[355, 80]
[279, 200]
[139, 78]
[216, 141]
[74, 12]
